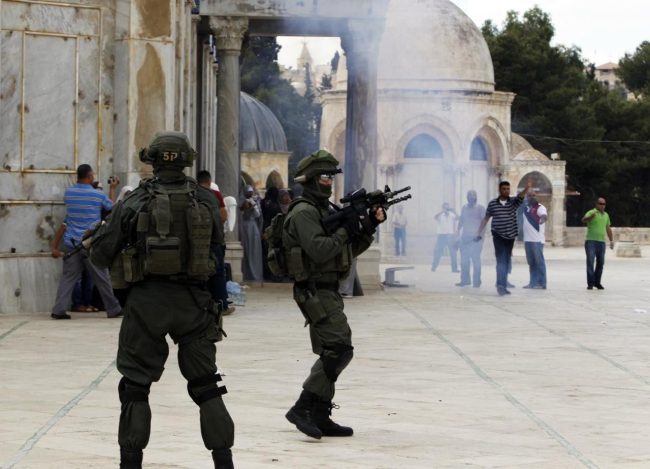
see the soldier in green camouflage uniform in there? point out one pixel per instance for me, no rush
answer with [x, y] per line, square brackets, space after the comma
[324, 261]
[164, 255]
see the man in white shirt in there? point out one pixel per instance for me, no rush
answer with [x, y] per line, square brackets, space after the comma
[535, 217]
[445, 220]
[399, 223]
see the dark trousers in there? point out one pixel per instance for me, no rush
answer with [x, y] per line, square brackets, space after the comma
[445, 241]
[82, 295]
[400, 238]
[72, 268]
[331, 339]
[503, 250]
[595, 251]
[536, 264]
[154, 310]
[217, 283]
[470, 253]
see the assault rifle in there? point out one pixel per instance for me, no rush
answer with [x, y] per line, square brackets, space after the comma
[360, 202]
[86, 241]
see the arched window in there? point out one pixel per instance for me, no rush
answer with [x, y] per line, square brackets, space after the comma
[479, 151]
[423, 146]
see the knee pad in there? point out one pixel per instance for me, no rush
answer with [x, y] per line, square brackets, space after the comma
[334, 366]
[130, 391]
[205, 395]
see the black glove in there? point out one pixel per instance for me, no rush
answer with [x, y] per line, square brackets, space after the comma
[351, 224]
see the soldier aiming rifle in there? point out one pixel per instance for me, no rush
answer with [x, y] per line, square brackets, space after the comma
[315, 244]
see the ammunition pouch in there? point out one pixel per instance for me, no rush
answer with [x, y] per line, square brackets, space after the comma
[163, 255]
[297, 264]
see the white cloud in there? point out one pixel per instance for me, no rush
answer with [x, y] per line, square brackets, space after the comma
[604, 31]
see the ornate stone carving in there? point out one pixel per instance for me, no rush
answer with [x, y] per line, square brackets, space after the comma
[228, 32]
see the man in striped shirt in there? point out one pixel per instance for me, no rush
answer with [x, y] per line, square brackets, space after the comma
[84, 206]
[504, 229]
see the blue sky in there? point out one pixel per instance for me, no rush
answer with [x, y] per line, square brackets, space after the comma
[603, 30]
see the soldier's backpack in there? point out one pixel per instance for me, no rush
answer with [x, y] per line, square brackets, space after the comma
[283, 260]
[173, 231]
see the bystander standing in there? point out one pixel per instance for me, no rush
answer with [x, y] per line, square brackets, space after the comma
[534, 224]
[445, 220]
[217, 283]
[470, 249]
[84, 206]
[399, 224]
[598, 224]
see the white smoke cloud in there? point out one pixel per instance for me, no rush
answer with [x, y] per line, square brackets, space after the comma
[604, 31]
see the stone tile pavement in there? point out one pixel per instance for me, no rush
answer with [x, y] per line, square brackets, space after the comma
[442, 378]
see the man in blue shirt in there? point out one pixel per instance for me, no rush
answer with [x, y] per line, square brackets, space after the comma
[84, 206]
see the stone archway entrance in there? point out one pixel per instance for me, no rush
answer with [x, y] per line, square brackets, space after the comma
[358, 24]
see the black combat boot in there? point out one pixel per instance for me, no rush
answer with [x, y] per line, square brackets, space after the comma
[323, 420]
[130, 458]
[223, 459]
[302, 416]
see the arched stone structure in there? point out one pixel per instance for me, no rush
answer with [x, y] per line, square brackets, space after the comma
[549, 174]
[246, 180]
[274, 179]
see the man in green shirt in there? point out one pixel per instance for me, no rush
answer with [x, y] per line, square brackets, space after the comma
[598, 224]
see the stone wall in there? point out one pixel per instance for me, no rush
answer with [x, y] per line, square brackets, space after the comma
[80, 82]
[259, 165]
[575, 236]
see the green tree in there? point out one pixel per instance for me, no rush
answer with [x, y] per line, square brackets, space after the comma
[325, 83]
[310, 96]
[262, 79]
[335, 62]
[634, 70]
[558, 97]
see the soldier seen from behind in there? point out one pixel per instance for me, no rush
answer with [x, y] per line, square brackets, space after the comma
[160, 239]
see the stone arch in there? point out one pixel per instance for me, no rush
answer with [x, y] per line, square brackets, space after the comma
[274, 179]
[493, 134]
[247, 180]
[541, 182]
[429, 125]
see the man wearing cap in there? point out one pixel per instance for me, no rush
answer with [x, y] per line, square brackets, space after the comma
[161, 240]
[319, 262]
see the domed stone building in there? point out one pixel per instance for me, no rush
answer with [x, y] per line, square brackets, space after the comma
[442, 127]
[263, 144]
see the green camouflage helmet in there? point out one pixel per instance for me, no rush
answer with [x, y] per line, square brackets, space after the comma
[319, 162]
[169, 148]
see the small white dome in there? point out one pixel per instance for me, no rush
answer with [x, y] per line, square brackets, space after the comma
[433, 45]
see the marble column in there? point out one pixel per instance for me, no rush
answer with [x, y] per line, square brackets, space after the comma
[205, 71]
[229, 34]
[192, 117]
[361, 46]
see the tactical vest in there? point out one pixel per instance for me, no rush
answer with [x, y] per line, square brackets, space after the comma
[173, 231]
[300, 266]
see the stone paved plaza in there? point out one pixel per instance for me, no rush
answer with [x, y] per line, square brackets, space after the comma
[442, 378]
